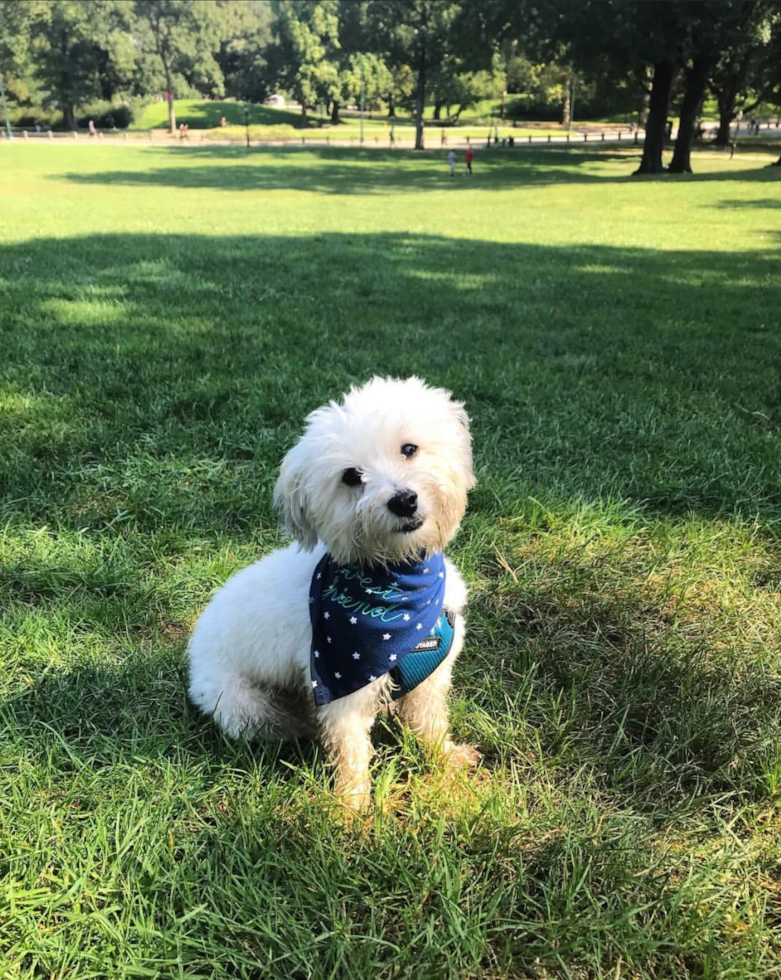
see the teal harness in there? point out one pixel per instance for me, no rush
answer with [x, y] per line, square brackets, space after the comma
[424, 659]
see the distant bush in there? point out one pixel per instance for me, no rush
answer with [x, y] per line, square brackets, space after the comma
[527, 107]
[105, 115]
[25, 117]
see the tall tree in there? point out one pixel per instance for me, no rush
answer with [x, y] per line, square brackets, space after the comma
[420, 34]
[633, 37]
[709, 27]
[747, 71]
[18, 23]
[305, 59]
[184, 35]
[243, 56]
[81, 51]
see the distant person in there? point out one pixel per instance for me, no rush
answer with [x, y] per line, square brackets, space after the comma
[451, 162]
[223, 122]
[468, 158]
[91, 127]
[443, 139]
[392, 135]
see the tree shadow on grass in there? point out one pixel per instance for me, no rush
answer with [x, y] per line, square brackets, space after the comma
[163, 378]
[346, 171]
[761, 204]
[150, 386]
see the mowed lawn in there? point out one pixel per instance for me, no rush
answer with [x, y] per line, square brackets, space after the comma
[167, 319]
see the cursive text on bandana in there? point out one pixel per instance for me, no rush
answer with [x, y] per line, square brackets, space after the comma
[366, 620]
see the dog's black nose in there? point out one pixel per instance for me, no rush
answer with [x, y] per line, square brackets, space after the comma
[404, 503]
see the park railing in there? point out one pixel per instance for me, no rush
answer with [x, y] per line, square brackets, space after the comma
[444, 139]
[314, 138]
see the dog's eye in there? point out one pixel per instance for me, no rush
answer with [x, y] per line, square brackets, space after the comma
[352, 477]
[408, 450]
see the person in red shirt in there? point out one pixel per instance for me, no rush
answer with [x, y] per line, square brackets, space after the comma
[468, 158]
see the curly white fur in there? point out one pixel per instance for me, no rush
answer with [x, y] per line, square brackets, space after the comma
[250, 650]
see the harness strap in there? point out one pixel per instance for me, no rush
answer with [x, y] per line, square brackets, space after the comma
[424, 659]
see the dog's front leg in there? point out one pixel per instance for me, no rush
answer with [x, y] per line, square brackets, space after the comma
[345, 726]
[425, 711]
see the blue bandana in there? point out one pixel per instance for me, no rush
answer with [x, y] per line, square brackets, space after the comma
[369, 621]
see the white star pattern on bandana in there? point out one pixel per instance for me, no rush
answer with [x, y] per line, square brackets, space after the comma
[367, 621]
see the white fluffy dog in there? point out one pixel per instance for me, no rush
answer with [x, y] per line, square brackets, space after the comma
[363, 611]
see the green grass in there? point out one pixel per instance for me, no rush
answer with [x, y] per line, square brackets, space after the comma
[206, 114]
[168, 317]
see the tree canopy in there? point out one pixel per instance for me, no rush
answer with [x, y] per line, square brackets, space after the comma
[644, 60]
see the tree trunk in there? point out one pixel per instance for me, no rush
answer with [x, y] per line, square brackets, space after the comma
[304, 121]
[420, 99]
[723, 132]
[169, 85]
[696, 81]
[566, 112]
[651, 163]
[335, 112]
[726, 98]
[438, 110]
[420, 105]
[391, 105]
[69, 112]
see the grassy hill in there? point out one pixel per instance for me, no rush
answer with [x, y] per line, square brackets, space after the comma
[206, 114]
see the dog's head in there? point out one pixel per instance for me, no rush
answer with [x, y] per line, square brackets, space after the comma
[381, 477]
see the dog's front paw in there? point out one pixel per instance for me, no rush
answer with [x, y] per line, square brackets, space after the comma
[354, 794]
[462, 756]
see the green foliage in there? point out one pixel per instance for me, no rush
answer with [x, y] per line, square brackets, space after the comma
[243, 57]
[81, 51]
[305, 57]
[448, 54]
[184, 35]
[105, 115]
[16, 49]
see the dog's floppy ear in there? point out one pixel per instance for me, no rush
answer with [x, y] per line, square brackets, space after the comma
[291, 499]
